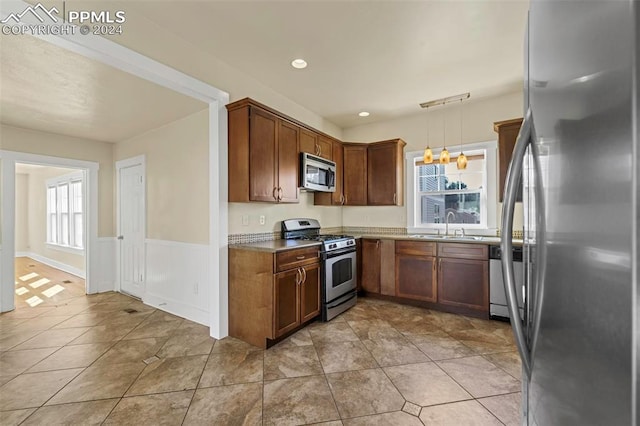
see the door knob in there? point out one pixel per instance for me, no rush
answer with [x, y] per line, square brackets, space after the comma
[121, 237]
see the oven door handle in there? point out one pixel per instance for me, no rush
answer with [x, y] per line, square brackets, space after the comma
[336, 253]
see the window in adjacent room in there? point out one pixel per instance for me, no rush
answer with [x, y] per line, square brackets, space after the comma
[65, 212]
[437, 190]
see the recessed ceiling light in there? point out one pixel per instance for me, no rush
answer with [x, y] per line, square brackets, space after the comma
[363, 114]
[299, 63]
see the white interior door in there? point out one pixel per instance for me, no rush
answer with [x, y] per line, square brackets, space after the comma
[131, 215]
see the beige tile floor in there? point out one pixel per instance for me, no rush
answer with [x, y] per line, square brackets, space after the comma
[87, 360]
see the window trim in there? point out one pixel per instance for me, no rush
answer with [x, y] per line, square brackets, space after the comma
[67, 179]
[489, 197]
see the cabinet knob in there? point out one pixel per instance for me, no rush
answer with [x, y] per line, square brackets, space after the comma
[275, 197]
[304, 277]
[395, 198]
[299, 257]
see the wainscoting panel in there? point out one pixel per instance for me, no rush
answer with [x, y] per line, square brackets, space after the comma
[106, 264]
[177, 279]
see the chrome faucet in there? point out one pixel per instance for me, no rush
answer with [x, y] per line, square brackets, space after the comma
[446, 222]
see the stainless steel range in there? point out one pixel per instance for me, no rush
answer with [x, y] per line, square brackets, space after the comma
[338, 264]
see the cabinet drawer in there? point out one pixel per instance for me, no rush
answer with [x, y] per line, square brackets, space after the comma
[416, 248]
[295, 258]
[463, 251]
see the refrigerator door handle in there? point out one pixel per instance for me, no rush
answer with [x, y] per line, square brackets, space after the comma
[525, 136]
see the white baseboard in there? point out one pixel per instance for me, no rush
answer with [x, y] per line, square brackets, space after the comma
[54, 264]
[175, 307]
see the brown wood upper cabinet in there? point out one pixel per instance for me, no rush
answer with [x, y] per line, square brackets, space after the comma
[334, 198]
[316, 144]
[263, 156]
[385, 173]
[507, 133]
[355, 174]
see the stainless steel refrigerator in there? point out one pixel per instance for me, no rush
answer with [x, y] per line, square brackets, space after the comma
[577, 157]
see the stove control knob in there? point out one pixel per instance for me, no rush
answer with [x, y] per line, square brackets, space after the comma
[332, 246]
[350, 243]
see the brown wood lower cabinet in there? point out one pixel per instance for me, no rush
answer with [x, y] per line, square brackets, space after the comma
[296, 297]
[464, 283]
[272, 294]
[452, 277]
[463, 277]
[371, 264]
[416, 273]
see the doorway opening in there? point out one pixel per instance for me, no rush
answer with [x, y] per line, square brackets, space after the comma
[50, 256]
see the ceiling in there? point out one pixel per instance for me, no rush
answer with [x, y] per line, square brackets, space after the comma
[384, 57]
[48, 88]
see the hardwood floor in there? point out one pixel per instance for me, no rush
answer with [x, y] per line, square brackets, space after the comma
[41, 285]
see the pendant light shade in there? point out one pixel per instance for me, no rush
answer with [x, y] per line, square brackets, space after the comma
[428, 156]
[462, 161]
[444, 156]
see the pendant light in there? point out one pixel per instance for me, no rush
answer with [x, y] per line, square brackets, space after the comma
[462, 159]
[444, 154]
[445, 157]
[427, 158]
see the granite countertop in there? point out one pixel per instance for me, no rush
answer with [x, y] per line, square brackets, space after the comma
[434, 239]
[275, 245]
[280, 245]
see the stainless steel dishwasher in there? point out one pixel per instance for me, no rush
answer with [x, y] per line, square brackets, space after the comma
[497, 297]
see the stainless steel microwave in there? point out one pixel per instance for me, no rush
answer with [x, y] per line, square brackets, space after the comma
[317, 174]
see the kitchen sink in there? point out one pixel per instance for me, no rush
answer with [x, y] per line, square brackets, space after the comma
[447, 237]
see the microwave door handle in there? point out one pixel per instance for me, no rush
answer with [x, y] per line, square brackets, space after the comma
[332, 178]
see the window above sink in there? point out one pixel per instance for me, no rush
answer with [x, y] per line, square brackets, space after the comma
[437, 193]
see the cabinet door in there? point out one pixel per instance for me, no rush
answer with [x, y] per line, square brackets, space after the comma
[383, 174]
[464, 283]
[416, 277]
[325, 147]
[262, 156]
[288, 162]
[333, 198]
[337, 198]
[371, 265]
[308, 142]
[286, 308]
[507, 133]
[355, 175]
[310, 293]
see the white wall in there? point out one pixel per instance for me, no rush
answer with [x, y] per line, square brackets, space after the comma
[54, 145]
[177, 175]
[477, 126]
[22, 212]
[177, 216]
[328, 216]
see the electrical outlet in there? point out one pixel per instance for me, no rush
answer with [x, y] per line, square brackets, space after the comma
[195, 288]
[262, 220]
[245, 220]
